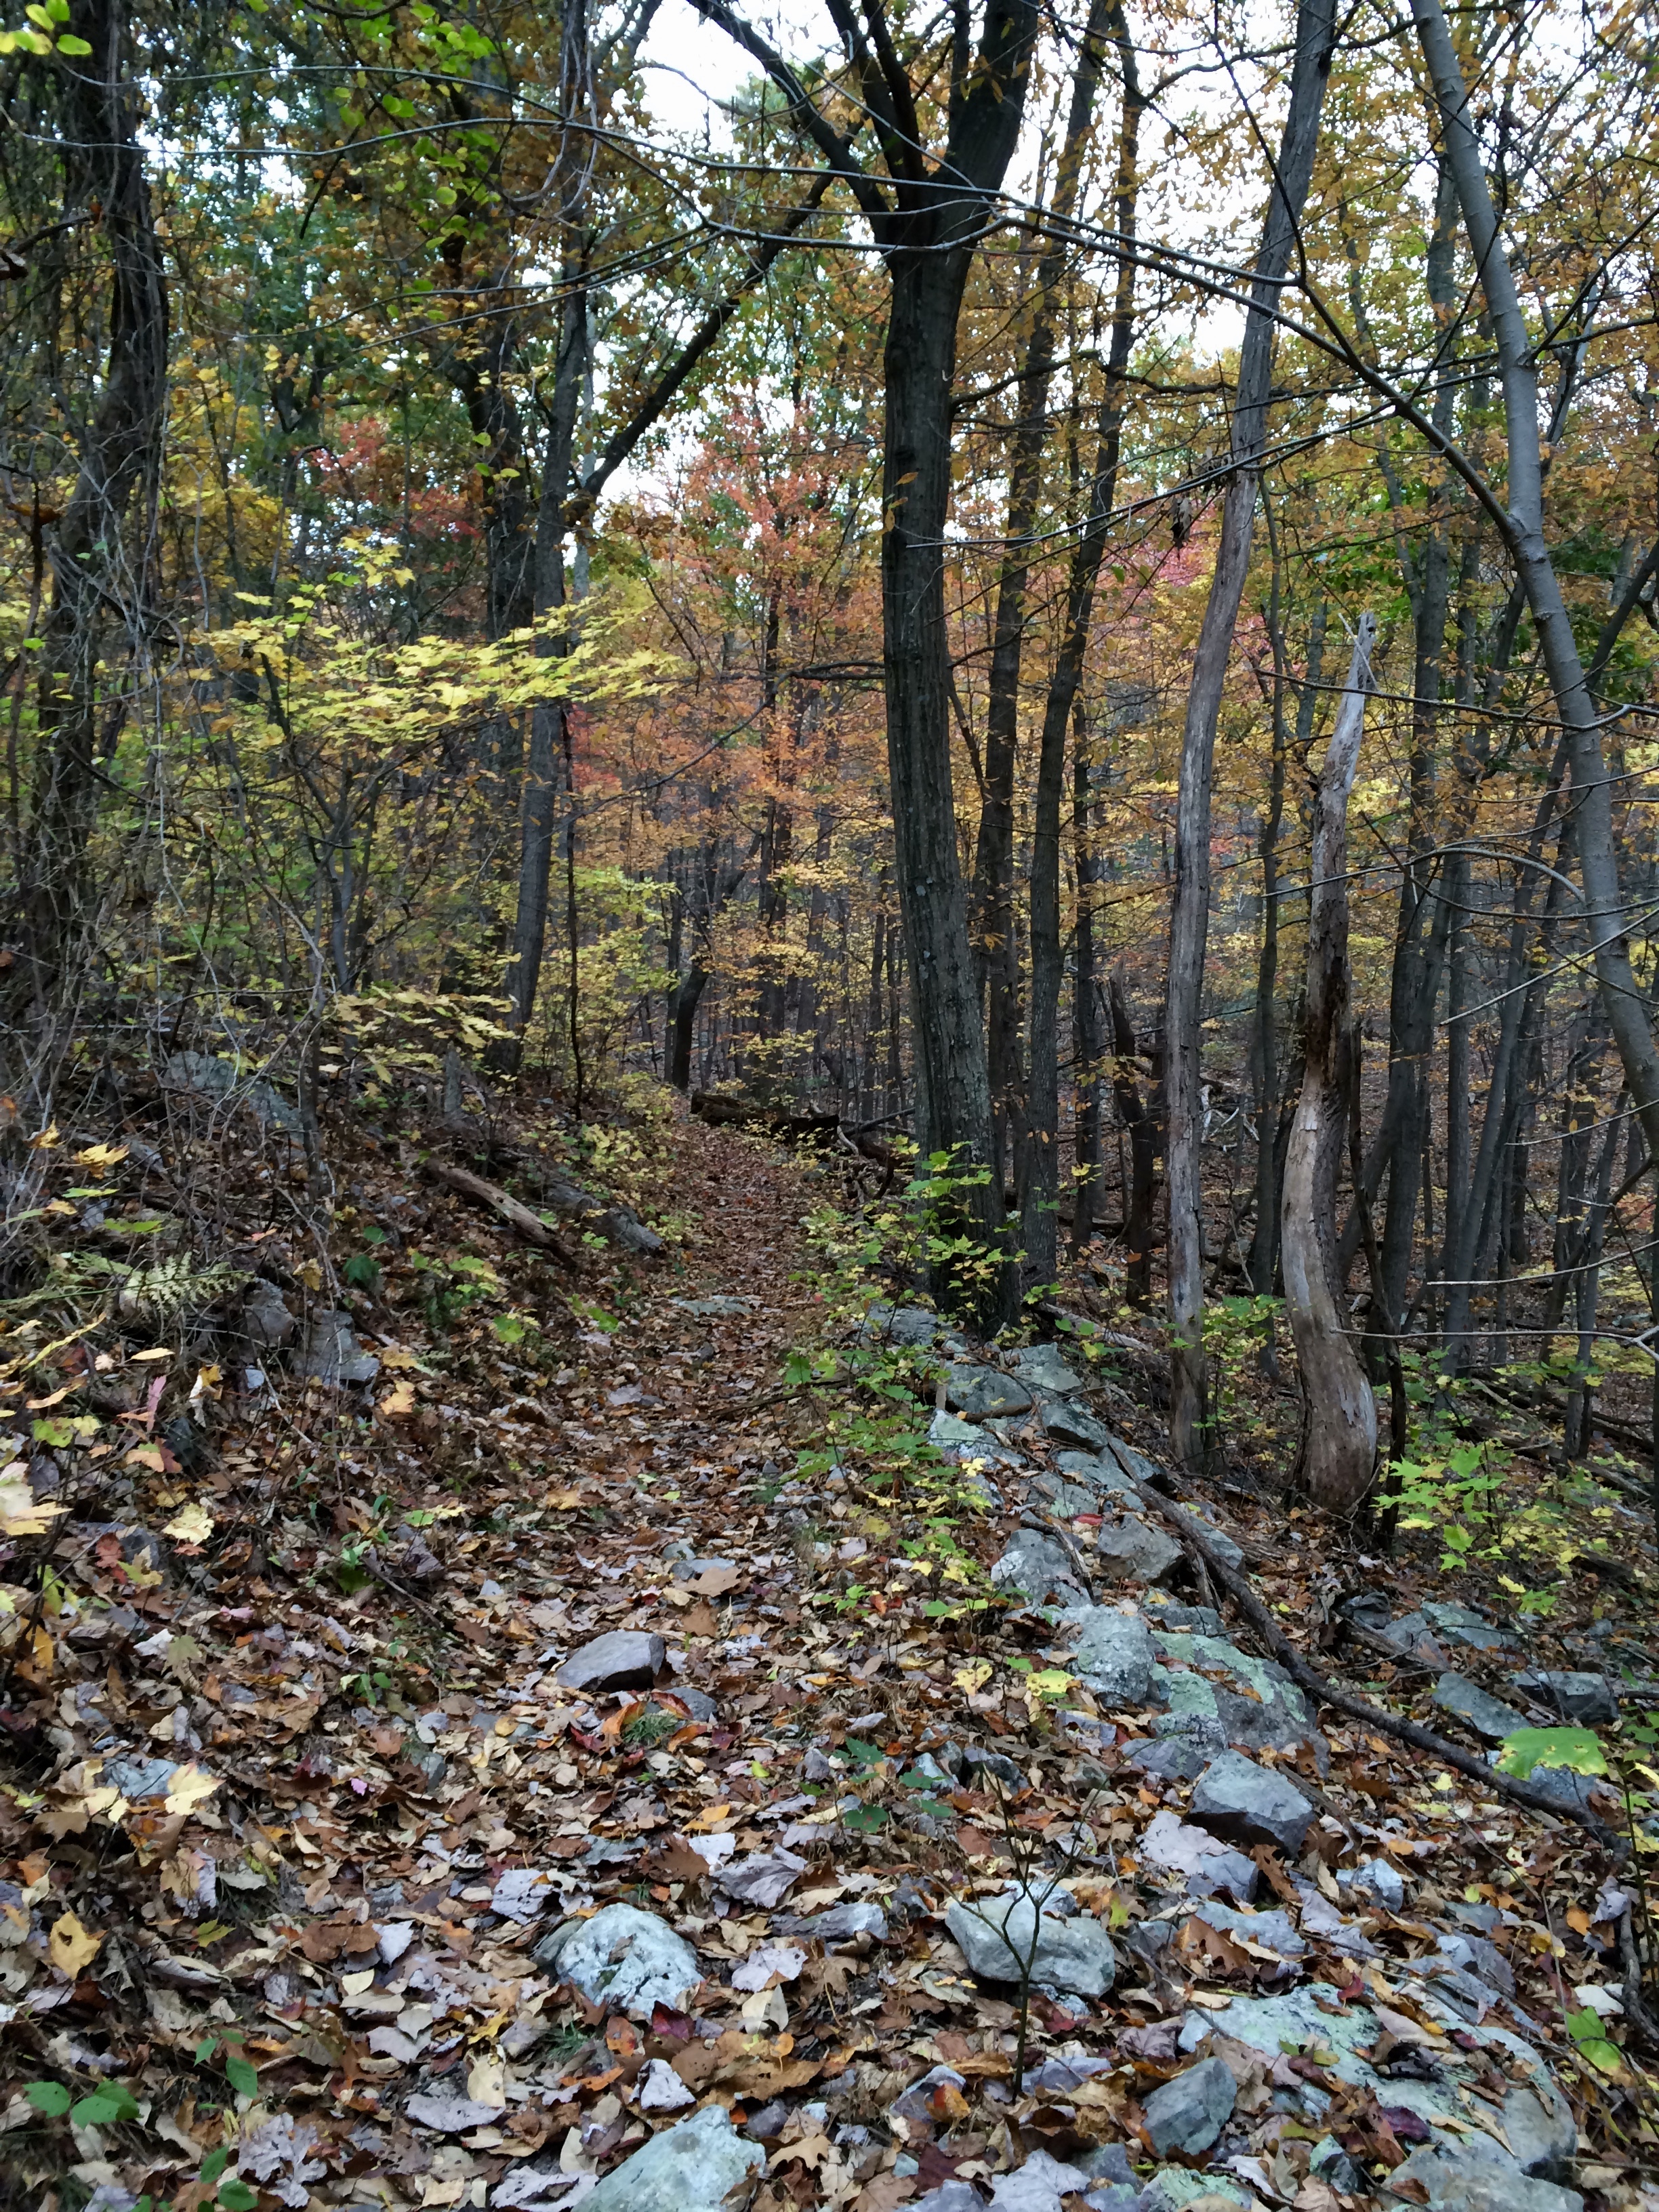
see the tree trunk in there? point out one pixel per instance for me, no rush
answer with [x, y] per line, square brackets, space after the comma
[1263, 1264]
[1039, 1179]
[995, 947]
[1189, 918]
[92, 569]
[1142, 1124]
[1339, 1444]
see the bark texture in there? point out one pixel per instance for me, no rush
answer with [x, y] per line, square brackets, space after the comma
[1339, 1447]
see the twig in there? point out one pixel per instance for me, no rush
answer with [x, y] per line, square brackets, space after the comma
[1361, 1709]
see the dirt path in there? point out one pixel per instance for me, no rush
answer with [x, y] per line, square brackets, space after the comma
[574, 1644]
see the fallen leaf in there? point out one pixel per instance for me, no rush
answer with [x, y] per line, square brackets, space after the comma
[73, 1947]
[192, 1524]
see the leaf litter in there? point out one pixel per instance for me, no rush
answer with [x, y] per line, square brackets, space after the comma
[335, 1854]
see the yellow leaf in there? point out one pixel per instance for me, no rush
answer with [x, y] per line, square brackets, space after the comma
[190, 1788]
[20, 1515]
[973, 1677]
[486, 2080]
[100, 1156]
[44, 1141]
[155, 1352]
[398, 1402]
[73, 1947]
[396, 1357]
[310, 1274]
[191, 1524]
[564, 1501]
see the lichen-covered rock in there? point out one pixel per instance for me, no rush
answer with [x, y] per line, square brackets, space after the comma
[625, 1959]
[701, 2165]
[1000, 1936]
[1042, 1367]
[1040, 1569]
[1073, 1423]
[1115, 1656]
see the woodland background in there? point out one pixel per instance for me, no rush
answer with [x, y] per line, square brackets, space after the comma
[441, 612]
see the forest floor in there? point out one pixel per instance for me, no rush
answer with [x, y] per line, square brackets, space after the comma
[315, 1783]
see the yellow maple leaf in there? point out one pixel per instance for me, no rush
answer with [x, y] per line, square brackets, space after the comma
[191, 1524]
[100, 1156]
[398, 1402]
[73, 1947]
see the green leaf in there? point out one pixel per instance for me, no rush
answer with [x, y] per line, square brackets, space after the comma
[69, 44]
[1592, 2041]
[51, 2097]
[242, 2077]
[237, 2197]
[214, 2165]
[108, 2102]
[1576, 1749]
[867, 1818]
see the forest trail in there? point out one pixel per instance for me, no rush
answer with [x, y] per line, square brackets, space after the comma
[607, 1662]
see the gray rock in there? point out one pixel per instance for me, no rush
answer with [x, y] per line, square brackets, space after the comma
[1476, 2177]
[1462, 1624]
[1172, 2188]
[1205, 1863]
[1073, 1955]
[1038, 1568]
[700, 2165]
[1330, 2163]
[1075, 1424]
[225, 1083]
[266, 1319]
[625, 1958]
[1236, 1798]
[1378, 1878]
[1189, 2113]
[959, 1440]
[687, 1570]
[1062, 1500]
[1132, 1550]
[977, 1762]
[1042, 1366]
[1479, 1957]
[905, 1325]
[1273, 1928]
[1135, 1464]
[1588, 1699]
[1410, 1635]
[1537, 2120]
[1100, 1472]
[715, 1308]
[329, 1352]
[842, 1924]
[1172, 1758]
[1559, 1785]
[949, 2196]
[624, 1659]
[977, 1392]
[1187, 1620]
[1115, 1656]
[1487, 1716]
[1266, 1708]
[1223, 1545]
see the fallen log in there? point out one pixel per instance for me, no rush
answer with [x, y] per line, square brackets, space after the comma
[721, 1110]
[517, 1217]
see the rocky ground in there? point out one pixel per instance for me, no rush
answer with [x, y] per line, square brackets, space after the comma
[540, 1748]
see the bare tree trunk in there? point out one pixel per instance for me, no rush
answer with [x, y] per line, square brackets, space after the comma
[994, 869]
[1189, 918]
[1040, 1169]
[1339, 1445]
[1263, 1264]
[1142, 1124]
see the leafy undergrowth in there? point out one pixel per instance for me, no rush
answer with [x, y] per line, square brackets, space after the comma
[293, 1791]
